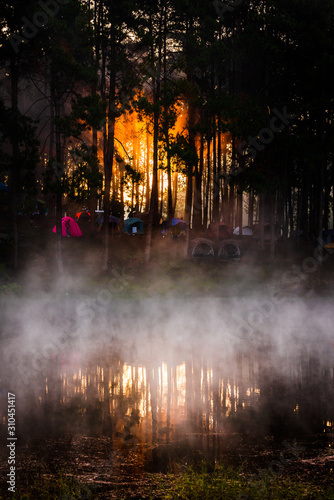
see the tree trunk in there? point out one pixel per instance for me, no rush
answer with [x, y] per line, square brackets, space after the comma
[322, 170]
[154, 193]
[232, 187]
[175, 184]
[215, 178]
[239, 210]
[225, 196]
[156, 87]
[251, 207]
[197, 206]
[190, 167]
[207, 187]
[189, 195]
[170, 212]
[261, 219]
[161, 192]
[147, 197]
[59, 208]
[272, 226]
[14, 181]
[109, 158]
[148, 241]
[219, 167]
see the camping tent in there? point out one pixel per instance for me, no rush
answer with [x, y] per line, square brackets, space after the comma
[328, 237]
[178, 227]
[229, 250]
[133, 226]
[114, 222]
[69, 227]
[224, 231]
[82, 216]
[202, 248]
[246, 231]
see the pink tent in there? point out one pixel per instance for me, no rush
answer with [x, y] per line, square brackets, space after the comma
[69, 227]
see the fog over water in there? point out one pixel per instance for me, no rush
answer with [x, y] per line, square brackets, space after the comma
[169, 358]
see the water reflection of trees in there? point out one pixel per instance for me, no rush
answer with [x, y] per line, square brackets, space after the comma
[163, 401]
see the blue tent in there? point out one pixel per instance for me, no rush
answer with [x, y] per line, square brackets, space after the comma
[182, 223]
[114, 223]
[3, 187]
[328, 237]
[133, 226]
[112, 219]
[179, 227]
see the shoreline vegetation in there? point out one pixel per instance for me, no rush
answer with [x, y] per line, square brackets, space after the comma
[307, 477]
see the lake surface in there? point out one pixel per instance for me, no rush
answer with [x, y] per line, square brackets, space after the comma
[155, 373]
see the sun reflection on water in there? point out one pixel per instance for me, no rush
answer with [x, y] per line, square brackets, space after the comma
[164, 395]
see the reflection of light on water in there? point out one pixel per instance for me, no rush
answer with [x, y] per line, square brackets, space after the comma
[232, 397]
[163, 386]
[165, 394]
[141, 374]
[127, 380]
[99, 382]
[180, 385]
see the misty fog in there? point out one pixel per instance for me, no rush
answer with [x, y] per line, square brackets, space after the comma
[238, 352]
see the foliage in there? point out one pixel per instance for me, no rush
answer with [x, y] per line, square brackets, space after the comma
[230, 484]
[86, 113]
[116, 208]
[184, 153]
[199, 483]
[15, 126]
[131, 176]
[7, 286]
[81, 182]
[86, 179]
[57, 487]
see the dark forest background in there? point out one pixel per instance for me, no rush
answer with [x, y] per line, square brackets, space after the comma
[211, 111]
